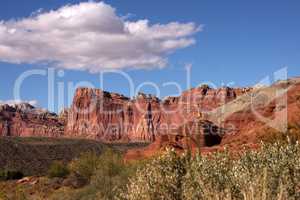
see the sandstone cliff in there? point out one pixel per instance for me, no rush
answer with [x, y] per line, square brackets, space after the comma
[272, 110]
[25, 120]
[108, 116]
[267, 113]
[237, 116]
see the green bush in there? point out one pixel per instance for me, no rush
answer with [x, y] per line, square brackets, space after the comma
[111, 175]
[85, 165]
[58, 169]
[10, 175]
[3, 196]
[107, 173]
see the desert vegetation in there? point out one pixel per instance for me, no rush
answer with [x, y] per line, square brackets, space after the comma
[270, 172]
[33, 156]
[106, 176]
[291, 135]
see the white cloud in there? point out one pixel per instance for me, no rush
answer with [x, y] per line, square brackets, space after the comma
[16, 102]
[90, 36]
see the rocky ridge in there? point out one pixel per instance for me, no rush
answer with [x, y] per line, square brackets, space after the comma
[108, 116]
[25, 120]
[261, 114]
[201, 117]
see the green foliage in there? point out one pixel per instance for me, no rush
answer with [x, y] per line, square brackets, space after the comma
[111, 175]
[273, 172]
[10, 175]
[107, 175]
[3, 196]
[58, 169]
[86, 165]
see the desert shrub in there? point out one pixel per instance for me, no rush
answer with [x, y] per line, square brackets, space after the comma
[112, 174]
[85, 193]
[107, 174]
[160, 179]
[20, 194]
[207, 177]
[75, 181]
[85, 165]
[291, 135]
[15, 193]
[273, 172]
[3, 196]
[10, 175]
[58, 169]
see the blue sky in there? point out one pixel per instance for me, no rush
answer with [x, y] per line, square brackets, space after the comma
[241, 43]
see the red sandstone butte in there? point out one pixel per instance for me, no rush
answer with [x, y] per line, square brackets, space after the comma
[105, 116]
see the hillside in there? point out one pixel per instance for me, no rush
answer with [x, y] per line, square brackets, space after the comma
[32, 156]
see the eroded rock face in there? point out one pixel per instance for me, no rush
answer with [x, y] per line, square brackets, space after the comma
[194, 135]
[25, 120]
[266, 114]
[246, 121]
[97, 114]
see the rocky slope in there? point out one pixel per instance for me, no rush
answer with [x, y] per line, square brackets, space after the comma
[25, 120]
[274, 109]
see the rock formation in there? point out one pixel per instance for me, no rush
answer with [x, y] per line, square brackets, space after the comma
[187, 121]
[260, 114]
[25, 120]
[107, 116]
[275, 109]
[194, 135]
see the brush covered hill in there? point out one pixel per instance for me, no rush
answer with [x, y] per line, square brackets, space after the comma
[34, 155]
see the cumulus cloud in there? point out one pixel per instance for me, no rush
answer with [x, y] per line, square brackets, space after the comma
[91, 36]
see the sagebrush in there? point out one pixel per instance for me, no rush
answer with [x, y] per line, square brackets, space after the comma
[272, 172]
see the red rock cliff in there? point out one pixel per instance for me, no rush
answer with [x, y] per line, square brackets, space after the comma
[107, 116]
[25, 120]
